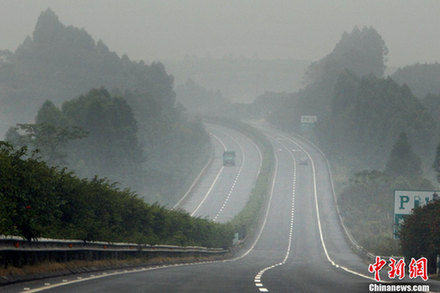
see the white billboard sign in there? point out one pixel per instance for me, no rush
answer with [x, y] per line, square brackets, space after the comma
[406, 200]
[308, 119]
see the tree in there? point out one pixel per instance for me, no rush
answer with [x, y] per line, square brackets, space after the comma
[403, 161]
[28, 193]
[48, 139]
[50, 114]
[436, 164]
[362, 52]
[420, 233]
[421, 78]
[112, 148]
[366, 115]
[58, 62]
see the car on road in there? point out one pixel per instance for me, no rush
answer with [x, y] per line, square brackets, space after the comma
[229, 158]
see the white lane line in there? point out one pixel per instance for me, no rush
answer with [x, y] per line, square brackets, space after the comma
[315, 190]
[209, 191]
[292, 215]
[215, 180]
[197, 179]
[231, 190]
[104, 275]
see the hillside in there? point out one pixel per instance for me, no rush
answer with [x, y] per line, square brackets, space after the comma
[361, 51]
[59, 63]
[422, 79]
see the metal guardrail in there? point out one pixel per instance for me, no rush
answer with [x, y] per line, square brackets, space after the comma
[18, 252]
[15, 243]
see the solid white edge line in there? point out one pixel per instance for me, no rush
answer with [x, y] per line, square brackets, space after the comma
[197, 179]
[209, 191]
[215, 180]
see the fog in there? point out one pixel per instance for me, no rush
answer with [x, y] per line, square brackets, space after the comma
[172, 29]
[119, 90]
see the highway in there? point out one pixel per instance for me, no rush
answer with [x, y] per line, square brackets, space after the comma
[223, 191]
[300, 246]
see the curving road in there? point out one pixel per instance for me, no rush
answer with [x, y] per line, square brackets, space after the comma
[300, 246]
[223, 191]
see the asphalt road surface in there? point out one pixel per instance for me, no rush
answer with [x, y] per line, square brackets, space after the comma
[300, 246]
[224, 190]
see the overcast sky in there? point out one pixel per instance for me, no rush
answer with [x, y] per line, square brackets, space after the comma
[170, 29]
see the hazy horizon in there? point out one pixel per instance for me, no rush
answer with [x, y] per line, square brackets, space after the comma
[300, 30]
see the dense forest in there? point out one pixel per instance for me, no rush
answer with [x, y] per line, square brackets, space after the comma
[55, 70]
[360, 112]
[361, 51]
[366, 116]
[422, 79]
[198, 100]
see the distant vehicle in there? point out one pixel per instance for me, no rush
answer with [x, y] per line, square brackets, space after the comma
[304, 162]
[229, 158]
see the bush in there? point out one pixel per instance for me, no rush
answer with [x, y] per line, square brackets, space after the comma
[42, 201]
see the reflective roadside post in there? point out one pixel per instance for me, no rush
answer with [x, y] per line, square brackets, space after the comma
[437, 267]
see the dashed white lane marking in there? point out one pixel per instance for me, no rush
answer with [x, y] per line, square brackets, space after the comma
[231, 190]
[257, 278]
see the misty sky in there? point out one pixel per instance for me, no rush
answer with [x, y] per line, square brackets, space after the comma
[158, 30]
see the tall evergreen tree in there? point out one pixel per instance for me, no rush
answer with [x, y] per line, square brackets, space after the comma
[436, 164]
[403, 161]
[50, 114]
